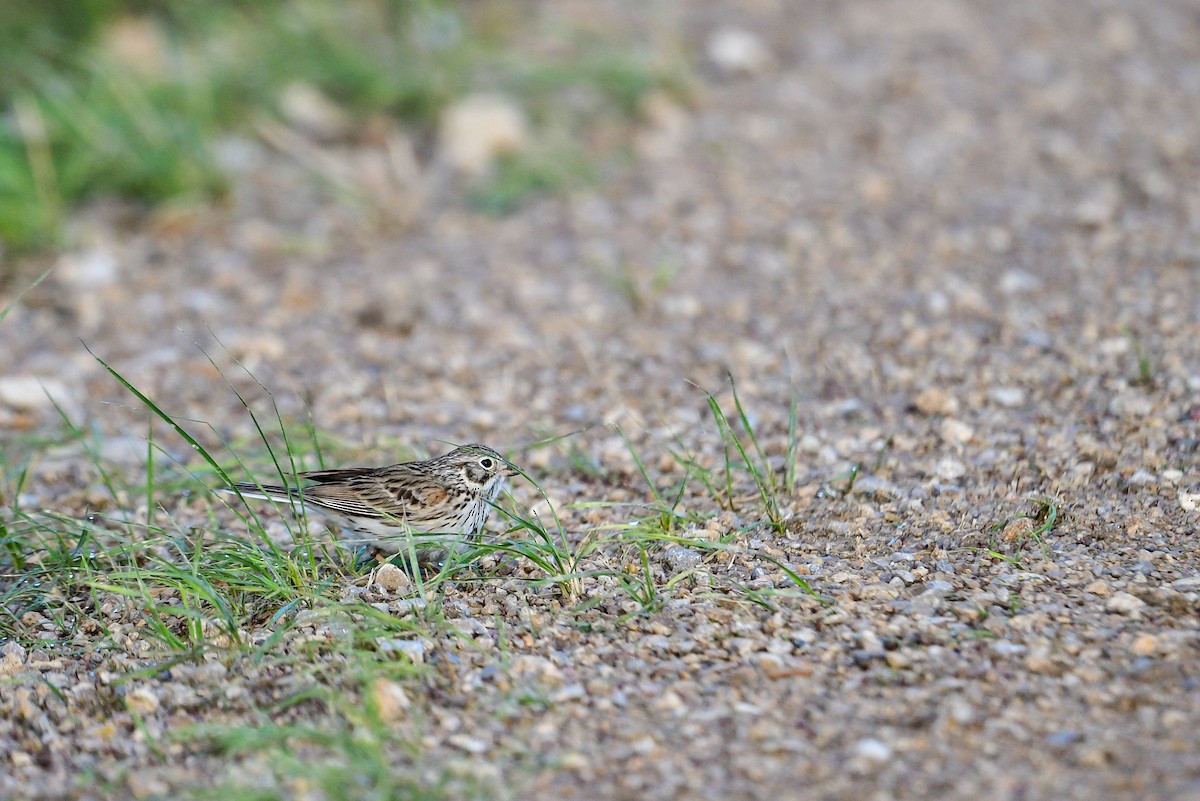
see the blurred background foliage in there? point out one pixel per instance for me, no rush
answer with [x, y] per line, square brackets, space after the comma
[128, 97]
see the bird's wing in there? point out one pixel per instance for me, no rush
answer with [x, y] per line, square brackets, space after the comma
[393, 493]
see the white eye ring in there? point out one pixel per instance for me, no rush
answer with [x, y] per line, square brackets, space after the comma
[486, 463]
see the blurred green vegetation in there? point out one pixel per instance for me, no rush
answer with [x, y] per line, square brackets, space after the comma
[126, 97]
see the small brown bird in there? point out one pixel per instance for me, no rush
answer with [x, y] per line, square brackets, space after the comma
[447, 498]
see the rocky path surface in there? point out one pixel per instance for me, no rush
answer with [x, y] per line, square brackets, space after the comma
[964, 240]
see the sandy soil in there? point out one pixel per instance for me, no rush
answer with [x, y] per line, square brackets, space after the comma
[945, 230]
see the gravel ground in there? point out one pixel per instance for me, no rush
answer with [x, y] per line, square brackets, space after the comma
[963, 238]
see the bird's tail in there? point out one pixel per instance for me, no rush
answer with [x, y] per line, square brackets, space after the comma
[266, 492]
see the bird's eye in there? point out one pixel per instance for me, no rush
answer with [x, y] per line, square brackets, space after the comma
[486, 463]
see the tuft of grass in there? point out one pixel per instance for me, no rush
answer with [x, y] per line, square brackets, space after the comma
[517, 177]
[744, 455]
[641, 292]
[1145, 366]
[1045, 514]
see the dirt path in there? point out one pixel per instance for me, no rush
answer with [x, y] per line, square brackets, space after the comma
[963, 238]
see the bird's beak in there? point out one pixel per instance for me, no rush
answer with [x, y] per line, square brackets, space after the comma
[511, 471]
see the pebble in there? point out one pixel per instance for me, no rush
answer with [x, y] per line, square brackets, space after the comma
[1124, 603]
[310, 110]
[28, 393]
[142, 700]
[1008, 397]
[1060, 739]
[1100, 206]
[1006, 648]
[878, 592]
[936, 401]
[950, 469]
[87, 270]
[478, 129]
[956, 432]
[1142, 478]
[12, 658]
[413, 649]
[1015, 282]
[391, 578]
[1144, 645]
[681, 558]
[391, 700]
[873, 750]
[735, 51]
[1019, 529]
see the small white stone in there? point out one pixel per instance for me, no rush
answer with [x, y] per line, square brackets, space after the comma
[142, 700]
[478, 129]
[1008, 397]
[1016, 282]
[413, 649]
[873, 750]
[1099, 207]
[1142, 478]
[1124, 603]
[391, 578]
[737, 51]
[935, 400]
[956, 432]
[949, 469]
[88, 269]
[472, 745]
[1189, 501]
[680, 558]
[26, 393]
[307, 108]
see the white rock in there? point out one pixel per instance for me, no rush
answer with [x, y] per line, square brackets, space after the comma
[1189, 501]
[478, 129]
[1142, 478]
[1008, 397]
[737, 51]
[680, 558]
[413, 649]
[956, 432]
[142, 700]
[12, 659]
[27, 393]
[305, 107]
[936, 400]
[391, 700]
[1124, 603]
[1100, 206]
[391, 578]
[1018, 281]
[949, 469]
[872, 750]
[87, 269]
